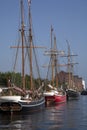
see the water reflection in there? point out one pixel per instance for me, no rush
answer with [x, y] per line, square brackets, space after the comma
[56, 116]
[67, 116]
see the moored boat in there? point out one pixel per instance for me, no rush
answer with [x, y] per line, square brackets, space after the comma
[84, 92]
[53, 94]
[24, 99]
[72, 94]
[71, 91]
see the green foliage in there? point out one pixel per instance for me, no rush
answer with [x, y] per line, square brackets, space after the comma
[4, 78]
[16, 79]
[27, 81]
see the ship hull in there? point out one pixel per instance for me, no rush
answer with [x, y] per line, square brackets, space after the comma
[71, 94]
[10, 105]
[60, 98]
[84, 92]
[55, 99]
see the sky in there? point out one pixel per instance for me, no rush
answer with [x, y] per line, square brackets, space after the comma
[69, 21]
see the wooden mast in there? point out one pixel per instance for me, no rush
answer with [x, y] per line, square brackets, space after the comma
[22, 36]
[30, 42]
[22, 44]
[30, 45]
[52, 62]
[70, 66]
[55, 61]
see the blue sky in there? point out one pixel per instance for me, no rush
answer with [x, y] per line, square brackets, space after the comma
[68, 18]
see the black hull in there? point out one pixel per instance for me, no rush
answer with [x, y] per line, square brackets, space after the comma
[71, 94]
[22, 106]
[33, 106]
[84, 92]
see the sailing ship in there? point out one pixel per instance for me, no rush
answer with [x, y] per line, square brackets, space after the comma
[71, 90]
[53, 94]
[21, 99]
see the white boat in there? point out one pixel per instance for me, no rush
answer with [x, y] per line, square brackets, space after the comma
[13, 98]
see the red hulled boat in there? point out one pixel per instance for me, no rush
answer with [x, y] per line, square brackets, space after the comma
[53, 94]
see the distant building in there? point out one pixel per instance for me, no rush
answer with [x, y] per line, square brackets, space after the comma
[65, 78]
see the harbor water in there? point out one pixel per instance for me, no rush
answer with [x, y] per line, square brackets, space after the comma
[71, 115]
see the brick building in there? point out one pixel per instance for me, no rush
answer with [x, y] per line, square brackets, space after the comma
[65, 78]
